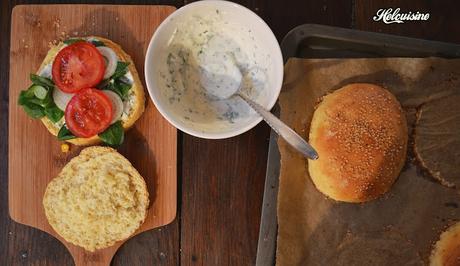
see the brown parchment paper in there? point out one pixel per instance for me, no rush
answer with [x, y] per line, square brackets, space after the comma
[400, 227]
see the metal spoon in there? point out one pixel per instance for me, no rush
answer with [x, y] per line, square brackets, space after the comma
[289, 135]
[212, 78]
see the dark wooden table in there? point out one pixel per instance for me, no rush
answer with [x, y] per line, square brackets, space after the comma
[220, 181]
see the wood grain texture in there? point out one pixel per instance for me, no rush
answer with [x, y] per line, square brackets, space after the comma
[222, 187]
[235, 238]
[5, 221]
[34, 154]
[232, 238]
[223, 180]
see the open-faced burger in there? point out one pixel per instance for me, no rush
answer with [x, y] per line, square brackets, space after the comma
[86, 90]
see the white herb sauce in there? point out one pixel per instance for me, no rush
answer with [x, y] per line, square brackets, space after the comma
[210, 56]
[46, 71]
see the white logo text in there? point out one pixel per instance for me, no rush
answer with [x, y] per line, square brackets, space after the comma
[390, 15]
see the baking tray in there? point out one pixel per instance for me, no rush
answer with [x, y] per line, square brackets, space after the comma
[319, 41]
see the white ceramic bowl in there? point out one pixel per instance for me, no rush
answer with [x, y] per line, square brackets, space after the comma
[234, 13]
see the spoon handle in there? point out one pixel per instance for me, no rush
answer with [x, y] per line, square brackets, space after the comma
[283, 130]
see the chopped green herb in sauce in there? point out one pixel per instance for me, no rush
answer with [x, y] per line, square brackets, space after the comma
[210, 48]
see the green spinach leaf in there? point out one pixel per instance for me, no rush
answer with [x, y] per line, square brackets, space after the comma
[123, 88]
[48, 101]
[114, 135]
[73, 40]
[119, 87]
[65, 134]
[116, 82]
[42, 81]
[25, 96]
[33, 110]
[97, 43]
[37, 107]
[121, 70]
[103, 84]
[54, 113]
[31, 105]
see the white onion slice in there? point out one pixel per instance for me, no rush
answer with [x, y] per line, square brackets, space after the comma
[117, 105]
[61, 99]
[111, 60]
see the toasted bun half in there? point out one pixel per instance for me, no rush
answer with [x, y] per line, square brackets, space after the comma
[137, 89]
[446, 251]
[360, 133]
[97, 199]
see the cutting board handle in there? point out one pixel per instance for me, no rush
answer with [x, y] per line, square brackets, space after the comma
[31, 167]
[98, 258]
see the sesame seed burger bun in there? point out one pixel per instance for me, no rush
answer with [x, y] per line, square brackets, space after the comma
[446, 251]
[360, 133]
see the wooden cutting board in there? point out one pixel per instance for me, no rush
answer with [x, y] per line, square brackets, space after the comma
[34, 154]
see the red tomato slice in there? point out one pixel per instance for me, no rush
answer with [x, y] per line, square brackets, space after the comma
[88, 113]
[77, 66]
